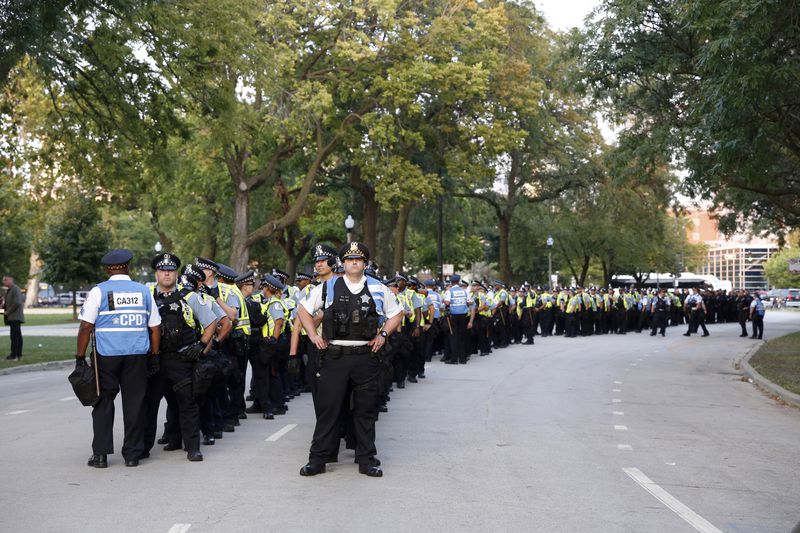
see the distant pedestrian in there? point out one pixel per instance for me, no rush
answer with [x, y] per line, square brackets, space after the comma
[757, 313]
[13, 316]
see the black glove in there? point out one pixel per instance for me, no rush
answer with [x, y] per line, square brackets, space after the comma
[194, 351]
[79, 362]
[271, 340]
[293, 365]
[153, 365]
[211, 291]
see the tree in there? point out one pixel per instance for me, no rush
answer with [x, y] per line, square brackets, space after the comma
[710, 85]
[777, 269]
[73, 242]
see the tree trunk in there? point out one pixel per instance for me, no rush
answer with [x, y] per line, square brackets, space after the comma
[503, 228]
[240, 250]
[584, 270]
[370, 215]
[400, 237]
[34, 277]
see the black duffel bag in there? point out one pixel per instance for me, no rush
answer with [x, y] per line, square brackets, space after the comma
[84, 385]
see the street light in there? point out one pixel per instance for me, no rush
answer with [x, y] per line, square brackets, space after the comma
[349, 224]
[550, 260]
[157, 247]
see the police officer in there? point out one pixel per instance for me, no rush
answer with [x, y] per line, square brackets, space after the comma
[659, 310]
[183, 314]
[359, 313]
[123, 316]
[743, 301]
[757, 312]
[696, 308]
[458, 303]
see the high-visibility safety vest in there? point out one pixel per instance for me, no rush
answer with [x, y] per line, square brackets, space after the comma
[243, 320]
[269, 327]
[186, 310]
[574, 304]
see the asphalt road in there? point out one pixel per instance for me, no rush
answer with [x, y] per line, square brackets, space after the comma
[605, 434]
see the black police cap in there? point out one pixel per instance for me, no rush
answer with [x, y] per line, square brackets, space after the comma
[322, 252]
[354, 250]
[117, 258]
[280, 274]
[272, 282]
[194, 271]
[165, 261]
[226, 272]
[247, 277]
[303, 276]
[206, 264]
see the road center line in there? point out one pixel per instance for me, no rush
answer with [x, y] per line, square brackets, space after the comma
[12, 413]
[626, 447]
[616, 400]
[616, 390]
[619, 413]
[617, 383]
[692, 518]
[280, 433]
[621, 428]
[179, 528]
[68, 398]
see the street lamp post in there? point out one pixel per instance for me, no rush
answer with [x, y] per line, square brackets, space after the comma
[550, 261]
[349, 224]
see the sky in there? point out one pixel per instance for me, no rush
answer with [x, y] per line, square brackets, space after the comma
[565, 14]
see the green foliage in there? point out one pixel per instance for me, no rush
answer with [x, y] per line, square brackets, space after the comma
[712, 86]
[777, 269]
[73, 241]
[15, 244]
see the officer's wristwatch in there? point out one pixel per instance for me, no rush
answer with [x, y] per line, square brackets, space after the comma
[383, 333]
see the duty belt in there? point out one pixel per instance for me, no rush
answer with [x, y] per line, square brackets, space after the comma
[335, 350]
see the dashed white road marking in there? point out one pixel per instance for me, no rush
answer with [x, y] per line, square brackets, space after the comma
[616, 400]
[617, 383]
[633, 364]
[12, 413]
[616, 390]
[620, 428]
[640, 359]
[179, 528]
[280, 433]
[689, 516]
[68, 398]
[626, 447]
[619, 413]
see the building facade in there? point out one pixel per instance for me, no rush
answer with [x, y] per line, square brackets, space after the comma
[741, 264]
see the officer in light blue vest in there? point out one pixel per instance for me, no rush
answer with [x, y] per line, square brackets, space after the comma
[125, 321]
[458, 302]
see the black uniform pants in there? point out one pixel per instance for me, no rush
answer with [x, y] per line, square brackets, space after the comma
[174, 371]
[15, 329]
[571, 325]
[697, 319]
[529, 324]
[459, 334]
[546, 320]
[659, 321]
[236, 381]
[758, 326]
[743, 321]
[126, 373]
[416, 363]
[336, 375]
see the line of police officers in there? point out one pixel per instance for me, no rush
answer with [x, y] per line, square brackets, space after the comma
[341, 333]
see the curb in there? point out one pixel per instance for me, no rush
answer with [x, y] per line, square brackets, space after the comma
[50, 365]
[759, 380]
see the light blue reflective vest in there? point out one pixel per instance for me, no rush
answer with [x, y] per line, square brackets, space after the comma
[375, 289]
[458, 300]
[437, 303]
[121, 325]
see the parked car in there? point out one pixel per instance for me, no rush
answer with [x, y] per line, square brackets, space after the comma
[65, 298]
[793, 298]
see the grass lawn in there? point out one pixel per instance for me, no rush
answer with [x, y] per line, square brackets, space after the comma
[52, 349]
[46, 320]
[779, 361]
